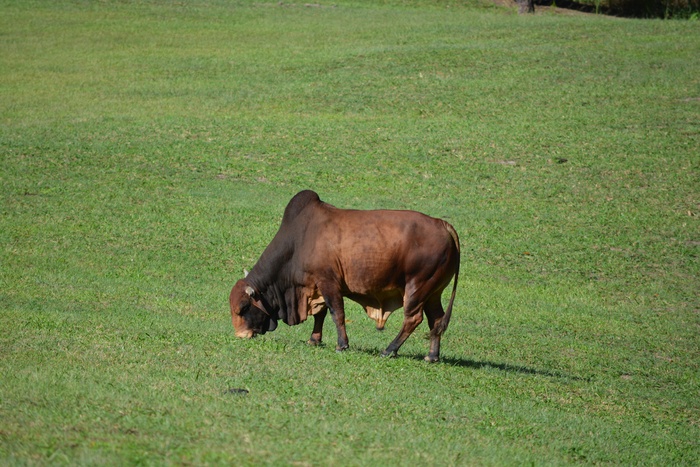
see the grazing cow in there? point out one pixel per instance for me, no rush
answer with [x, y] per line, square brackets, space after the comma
[382, 260]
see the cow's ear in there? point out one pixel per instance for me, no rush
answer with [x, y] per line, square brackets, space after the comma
[245, 273]
[250, 291]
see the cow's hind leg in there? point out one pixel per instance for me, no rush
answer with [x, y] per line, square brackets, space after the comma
[413, 316]
[434, 312]
[316, 335]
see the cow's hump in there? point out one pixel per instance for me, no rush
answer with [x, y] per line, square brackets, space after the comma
[298, 203]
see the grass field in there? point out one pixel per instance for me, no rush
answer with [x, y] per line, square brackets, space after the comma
[148, 149]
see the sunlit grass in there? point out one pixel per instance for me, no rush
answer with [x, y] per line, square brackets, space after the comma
[149, 148]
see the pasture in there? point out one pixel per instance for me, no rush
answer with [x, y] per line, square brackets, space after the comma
[147, 151]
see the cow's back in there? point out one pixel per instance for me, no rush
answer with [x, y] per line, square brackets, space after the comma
[375, 251]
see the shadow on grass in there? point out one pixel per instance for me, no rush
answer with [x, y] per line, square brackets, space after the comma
[481, 365]
[506, 367]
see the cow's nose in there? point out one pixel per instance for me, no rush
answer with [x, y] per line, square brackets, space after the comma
[245, 334]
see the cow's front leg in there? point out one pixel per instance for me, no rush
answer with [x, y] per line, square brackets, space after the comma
[335, 303]
[318, 327]
[339, 320]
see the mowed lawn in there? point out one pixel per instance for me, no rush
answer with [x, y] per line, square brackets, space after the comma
[148, 149]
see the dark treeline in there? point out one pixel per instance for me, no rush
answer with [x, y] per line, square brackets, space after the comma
[632, 8]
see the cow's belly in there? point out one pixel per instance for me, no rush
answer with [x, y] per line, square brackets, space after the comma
[389, 300]
[379, 305]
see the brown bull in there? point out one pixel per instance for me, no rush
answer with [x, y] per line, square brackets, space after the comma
[383, 260]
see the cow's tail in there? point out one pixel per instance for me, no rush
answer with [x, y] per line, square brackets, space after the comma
[442, 326]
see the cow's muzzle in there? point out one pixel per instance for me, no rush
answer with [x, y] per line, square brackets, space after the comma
[245, 334]
[269, 326]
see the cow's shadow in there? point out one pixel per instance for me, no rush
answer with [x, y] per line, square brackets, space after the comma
[507, 367]
[480, 365]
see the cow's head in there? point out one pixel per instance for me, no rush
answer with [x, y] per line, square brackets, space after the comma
[248, 313]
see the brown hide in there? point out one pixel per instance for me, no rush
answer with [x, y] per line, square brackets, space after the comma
[371, 256]
[381, 259]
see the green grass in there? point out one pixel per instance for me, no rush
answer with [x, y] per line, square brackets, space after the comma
[148, 149]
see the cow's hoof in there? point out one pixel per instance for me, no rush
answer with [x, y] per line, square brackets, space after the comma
[339, 348]
[389, 354]
[313, 342]
[431, 359]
